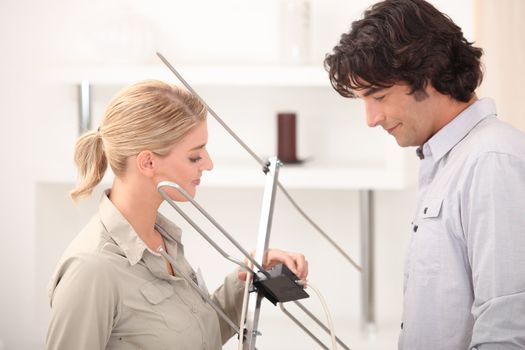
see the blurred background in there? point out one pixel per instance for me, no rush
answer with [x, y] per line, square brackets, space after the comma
[250, 60]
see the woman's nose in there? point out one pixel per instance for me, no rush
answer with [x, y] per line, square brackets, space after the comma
[208, 164]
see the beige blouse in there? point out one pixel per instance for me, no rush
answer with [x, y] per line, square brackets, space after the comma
[110, 291]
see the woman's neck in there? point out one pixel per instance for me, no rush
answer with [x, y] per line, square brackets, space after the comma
[139, 206]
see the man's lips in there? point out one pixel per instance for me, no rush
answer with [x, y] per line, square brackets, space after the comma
[391, 130]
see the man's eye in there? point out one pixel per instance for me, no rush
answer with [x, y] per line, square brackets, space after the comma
[379, 98]
[195, 160]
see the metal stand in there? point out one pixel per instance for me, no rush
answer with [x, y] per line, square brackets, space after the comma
[366, 204]
[247, 338]
[306, 330]
[84, 121]
[263, 239]
[264, 228]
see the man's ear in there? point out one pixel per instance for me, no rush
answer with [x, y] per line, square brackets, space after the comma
[146, 163]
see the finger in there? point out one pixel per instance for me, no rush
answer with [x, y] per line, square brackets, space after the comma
[276, 256]
[302, 268]
[307, 271]
[301, 265]
[291, 263]
[296, 262]
[242, 275]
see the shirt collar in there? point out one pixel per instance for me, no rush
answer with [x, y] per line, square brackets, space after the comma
[169, 231]
[125, 236]
[452, 133]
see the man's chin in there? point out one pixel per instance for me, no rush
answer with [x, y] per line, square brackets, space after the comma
[401, 143]
[405, 143]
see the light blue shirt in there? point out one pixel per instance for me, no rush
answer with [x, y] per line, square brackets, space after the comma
[464, 283]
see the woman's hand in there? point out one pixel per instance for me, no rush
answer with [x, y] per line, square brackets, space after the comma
[296, 262]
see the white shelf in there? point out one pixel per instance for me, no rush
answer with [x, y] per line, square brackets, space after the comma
[309, 175]
[293, 177]
[386, 172]
[255, 76]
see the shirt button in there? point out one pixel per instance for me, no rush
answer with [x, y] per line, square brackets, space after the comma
[425, 210]
[193, 309]
[415, 228]
[204, 346]
[401, 325]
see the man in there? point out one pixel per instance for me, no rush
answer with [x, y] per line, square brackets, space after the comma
[464, 283]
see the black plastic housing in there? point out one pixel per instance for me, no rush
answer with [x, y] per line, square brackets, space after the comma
[281, 286]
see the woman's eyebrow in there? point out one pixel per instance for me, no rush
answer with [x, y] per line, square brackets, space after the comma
[198, 147]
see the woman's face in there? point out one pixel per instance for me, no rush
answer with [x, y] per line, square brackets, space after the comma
[185, 162]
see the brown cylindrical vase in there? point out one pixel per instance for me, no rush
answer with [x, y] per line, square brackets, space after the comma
[286, 137]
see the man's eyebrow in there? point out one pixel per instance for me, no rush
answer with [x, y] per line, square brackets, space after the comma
[372, 90]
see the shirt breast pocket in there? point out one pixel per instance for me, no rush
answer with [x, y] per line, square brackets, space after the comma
[432, 208]
[429, 240]
[167, 304]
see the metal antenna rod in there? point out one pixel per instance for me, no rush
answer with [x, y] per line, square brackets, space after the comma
[303, 327]
[306, 330]
[324, 234]
[321, 324]
[213, 221]
[258, 159]
[201, 231]
[212, 112]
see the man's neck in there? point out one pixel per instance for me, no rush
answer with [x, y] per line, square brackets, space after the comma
[449, 109]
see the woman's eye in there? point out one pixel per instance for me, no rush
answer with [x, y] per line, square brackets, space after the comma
[195, 160]
[379, 98]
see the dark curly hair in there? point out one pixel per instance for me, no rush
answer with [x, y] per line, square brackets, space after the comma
[405, 41]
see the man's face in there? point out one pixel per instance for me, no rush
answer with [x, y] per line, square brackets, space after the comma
[411, 119]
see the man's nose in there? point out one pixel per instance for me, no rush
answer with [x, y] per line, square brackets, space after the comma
[374, 116]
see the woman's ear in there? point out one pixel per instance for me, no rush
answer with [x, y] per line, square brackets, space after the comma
[146, 162]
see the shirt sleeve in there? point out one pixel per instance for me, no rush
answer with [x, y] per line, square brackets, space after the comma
[229, 296]
[494, 224]
[84, 303]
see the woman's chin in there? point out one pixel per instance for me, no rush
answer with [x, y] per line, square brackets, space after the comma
[179, 197]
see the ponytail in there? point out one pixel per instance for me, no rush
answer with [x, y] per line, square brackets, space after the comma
[91, 162]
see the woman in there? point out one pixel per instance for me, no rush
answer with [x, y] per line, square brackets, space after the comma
[112, 290]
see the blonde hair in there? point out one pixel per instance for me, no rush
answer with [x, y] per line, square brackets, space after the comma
[149, 115]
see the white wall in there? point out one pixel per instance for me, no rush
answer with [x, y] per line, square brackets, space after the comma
[500, 31]
[39, 127]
